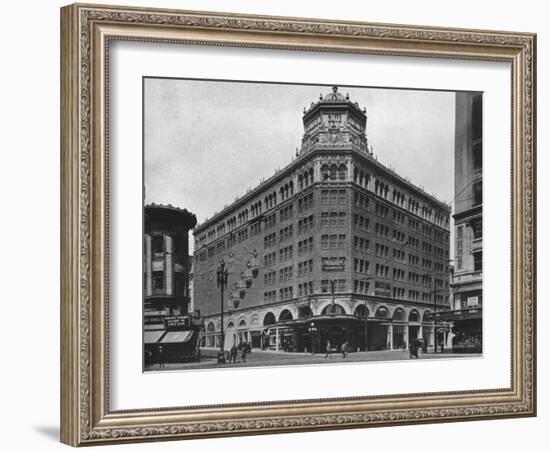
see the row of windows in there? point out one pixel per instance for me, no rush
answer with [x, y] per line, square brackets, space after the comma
[328, 219]
[270, 259]
[333, 241]
[305, 203]
[285, 293]
[305, 246]
[360, 265]
[285, 234]
[382, 210]
[360, 222]
[361, 244]
[285, 254]
[305, 289]
[270, 221]
[359, 287]
[270, 240]
[305, 267]
[270, 278]
[339, 285]
[381, 230]
[333, 219]
[382, 250]
[333, 197]
[306, 224]
[398, 292]
[286, 213]
[398, 274]
[286, 274]
[361, 201]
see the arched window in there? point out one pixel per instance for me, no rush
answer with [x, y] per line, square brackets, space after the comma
[325, 172]
[399, 315]
[211, 335]
[382, 313]
[333, 172]
[269, 319]
[361, 311]
[285, 315]
[304, 312]
[414, 316]
[342, 172]
[333, 309]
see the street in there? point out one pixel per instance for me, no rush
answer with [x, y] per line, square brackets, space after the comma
[261, 358]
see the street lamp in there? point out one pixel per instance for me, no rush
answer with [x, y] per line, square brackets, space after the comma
[222, 275]
[365, 316]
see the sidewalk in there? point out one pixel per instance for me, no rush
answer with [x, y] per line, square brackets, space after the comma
[263, 358]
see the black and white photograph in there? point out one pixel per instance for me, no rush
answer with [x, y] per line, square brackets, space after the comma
[294, 224]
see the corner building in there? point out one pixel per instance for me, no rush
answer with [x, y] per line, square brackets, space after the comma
[467, 284]
[335, 246]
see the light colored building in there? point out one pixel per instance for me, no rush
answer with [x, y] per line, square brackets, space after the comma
[335, 246]
[468, 223]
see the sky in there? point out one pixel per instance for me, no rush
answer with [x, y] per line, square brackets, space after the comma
[208, 142]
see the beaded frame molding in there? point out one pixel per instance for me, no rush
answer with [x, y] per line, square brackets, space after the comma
[86, 31]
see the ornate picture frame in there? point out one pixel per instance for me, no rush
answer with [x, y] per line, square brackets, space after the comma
[86, 33]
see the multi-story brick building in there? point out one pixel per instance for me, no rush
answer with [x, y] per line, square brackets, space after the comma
[166, 267]
[467, 305]
[334, 246]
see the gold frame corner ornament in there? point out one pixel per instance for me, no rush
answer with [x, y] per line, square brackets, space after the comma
[86, 31]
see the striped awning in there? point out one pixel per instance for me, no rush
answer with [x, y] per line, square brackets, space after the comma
[174, 337]
[153, 336]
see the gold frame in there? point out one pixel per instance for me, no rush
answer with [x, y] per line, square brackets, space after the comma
[86, 31]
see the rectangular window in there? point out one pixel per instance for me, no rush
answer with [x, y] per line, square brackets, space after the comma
[477, 193]
[158, 280]
[478, 261]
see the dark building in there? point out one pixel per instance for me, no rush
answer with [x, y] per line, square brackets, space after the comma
[467, 304]
[168, 328]
[335, 246]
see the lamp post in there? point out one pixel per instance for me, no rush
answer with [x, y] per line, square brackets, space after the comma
[365, 315]
[222, 276]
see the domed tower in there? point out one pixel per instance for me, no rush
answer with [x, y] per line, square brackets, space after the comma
[334, 121]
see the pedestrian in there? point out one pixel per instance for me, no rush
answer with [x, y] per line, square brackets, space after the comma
[233, 354]
[413, 350]
[243, 353]
[328, 354]
[161, 357]
[344, 349]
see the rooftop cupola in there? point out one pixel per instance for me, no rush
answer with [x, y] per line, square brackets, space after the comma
[334, 121]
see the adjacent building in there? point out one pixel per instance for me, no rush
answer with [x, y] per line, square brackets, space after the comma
[335, 246]
[168, 327]
[467, 304]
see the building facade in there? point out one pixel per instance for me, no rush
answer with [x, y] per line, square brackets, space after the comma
[467, 304]
[168, 327]
[335, 246]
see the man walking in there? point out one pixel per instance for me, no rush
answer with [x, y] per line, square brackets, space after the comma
[344, 349]
[328, 354]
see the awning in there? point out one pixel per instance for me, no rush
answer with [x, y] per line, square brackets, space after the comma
[173, 337]
[150, 337]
